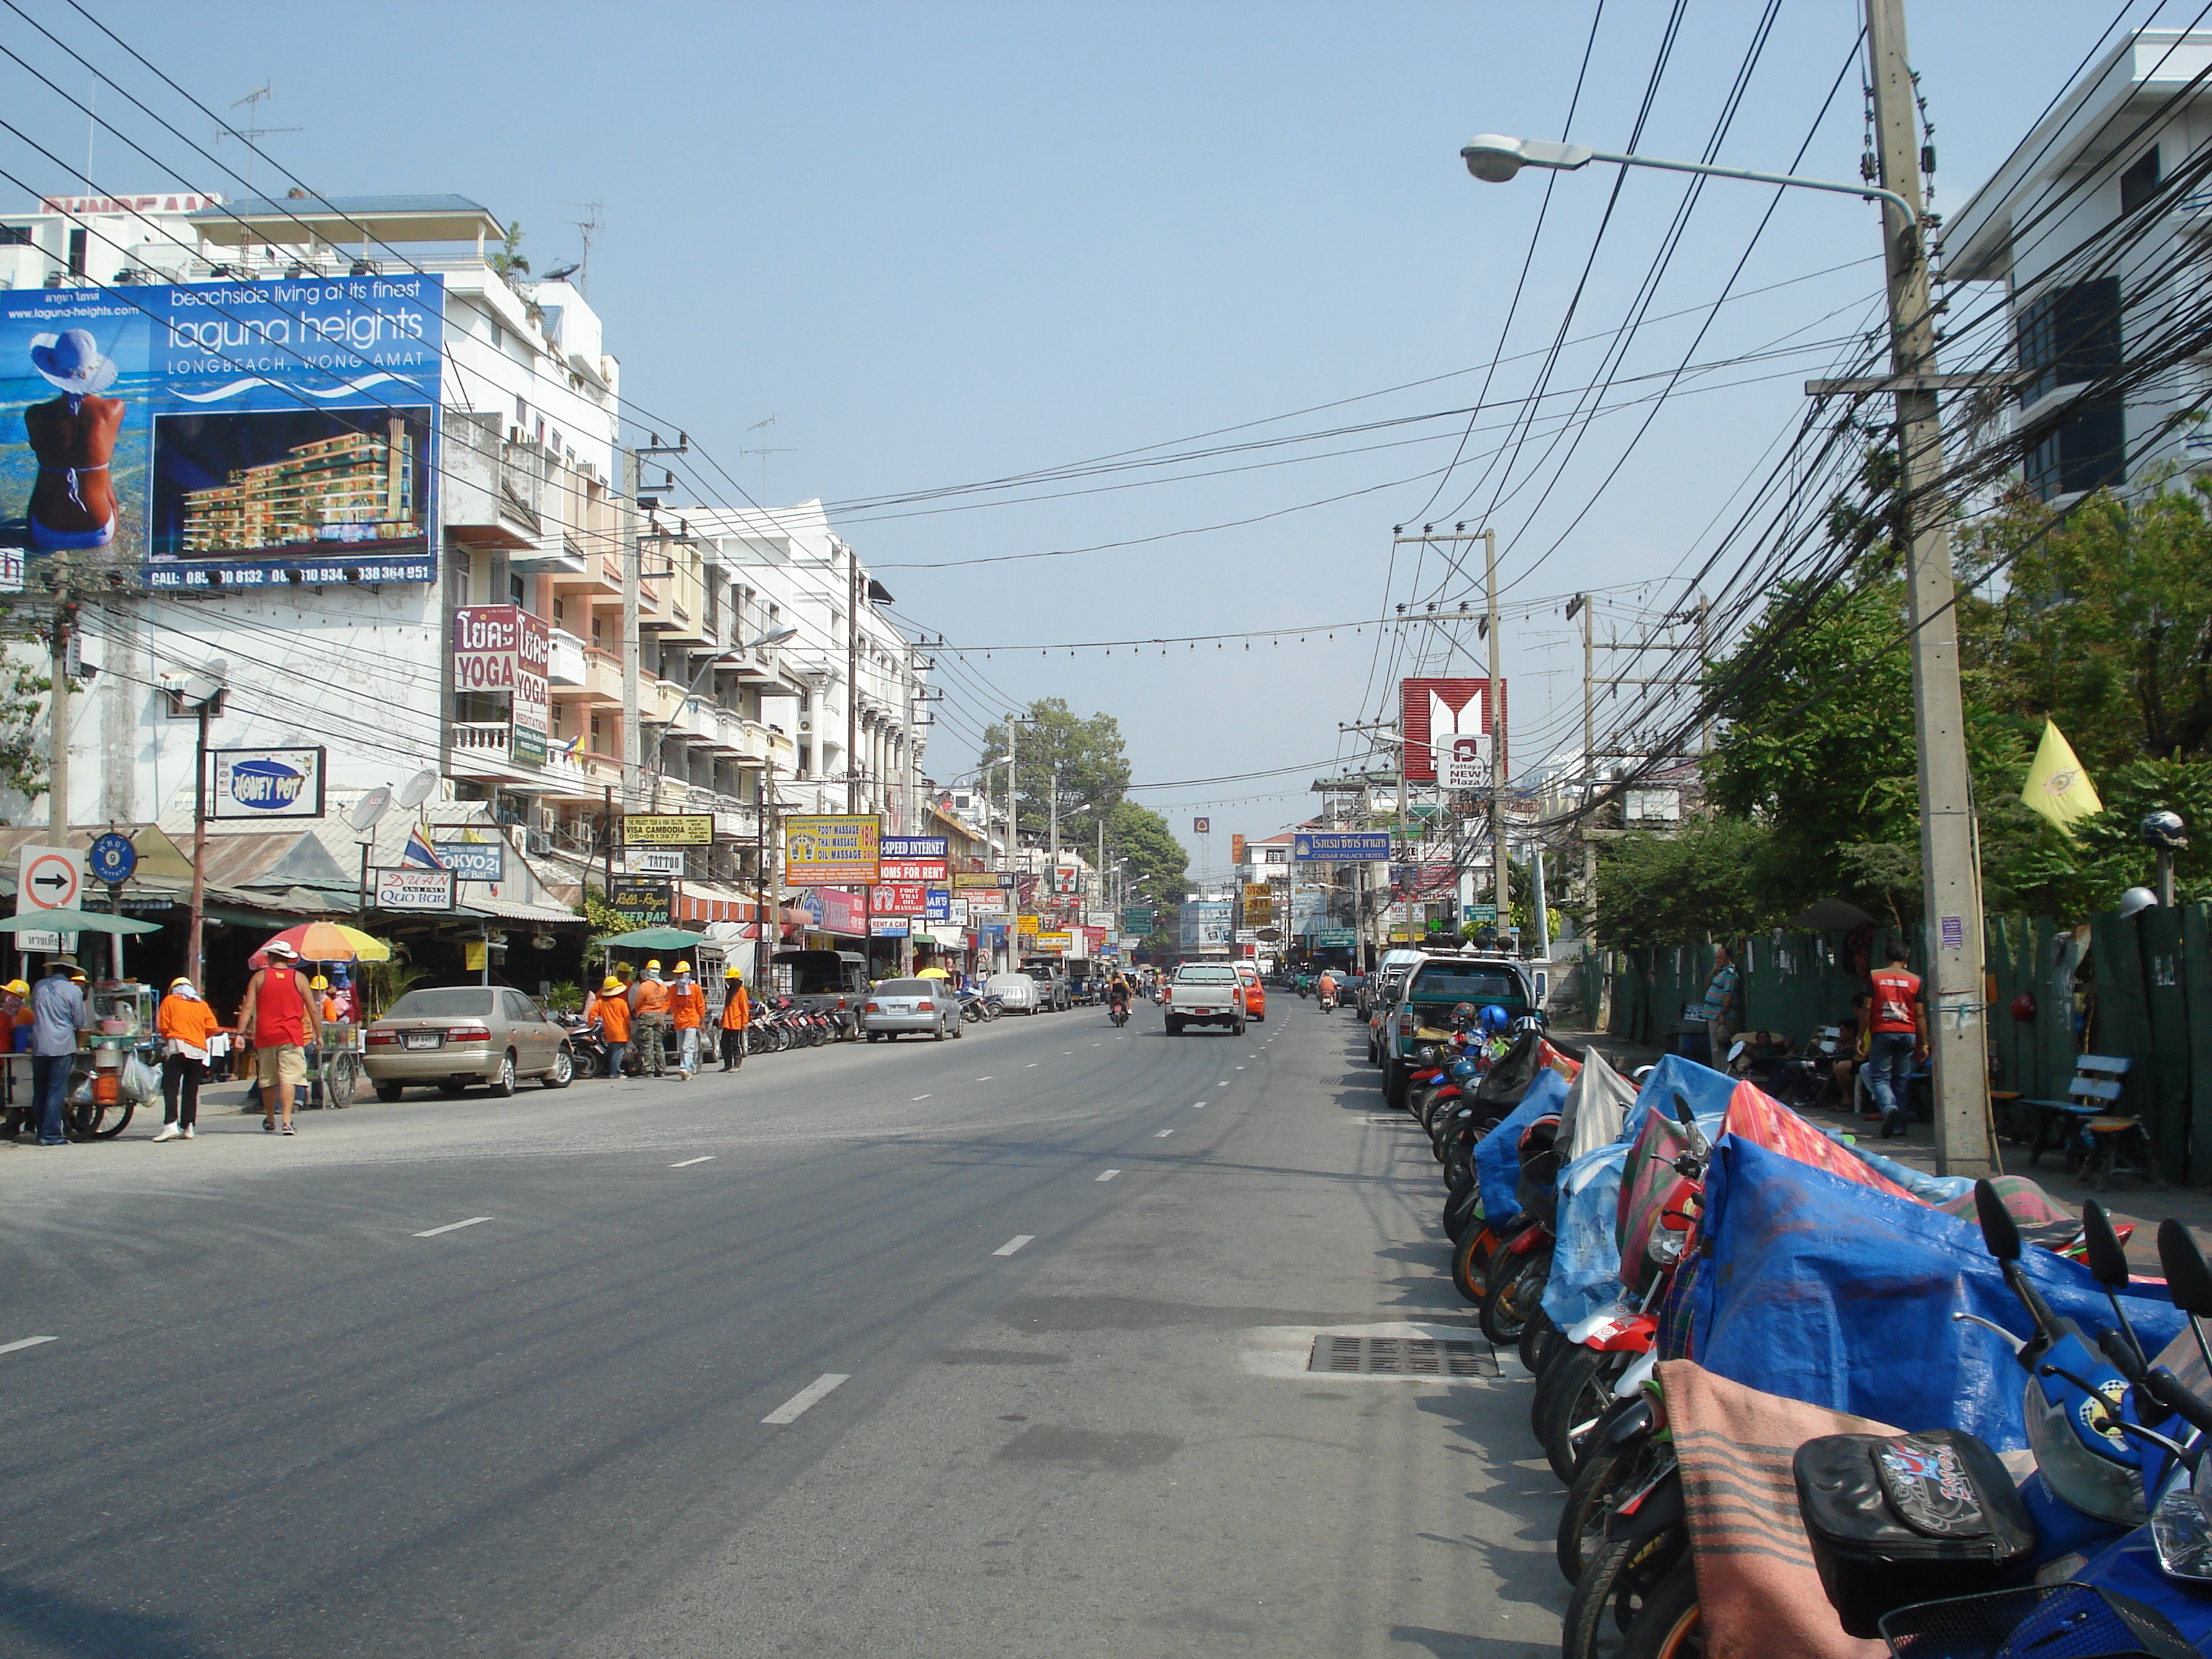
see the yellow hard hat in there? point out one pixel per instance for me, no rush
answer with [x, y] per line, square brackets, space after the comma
[733, 973]
[683, 966]
[20, 988]
[612, 984]
[655, 963]
[318, 983]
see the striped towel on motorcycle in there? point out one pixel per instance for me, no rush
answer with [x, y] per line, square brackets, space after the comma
[1758, 1594]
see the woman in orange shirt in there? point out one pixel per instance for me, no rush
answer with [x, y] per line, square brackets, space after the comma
[611, 1009]
[737, 1014]
[185, 1023]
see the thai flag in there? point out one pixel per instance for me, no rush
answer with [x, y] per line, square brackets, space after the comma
[419, 852]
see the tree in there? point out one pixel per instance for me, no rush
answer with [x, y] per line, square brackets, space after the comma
[1715, 877]
[509, 260]
[1087, 755]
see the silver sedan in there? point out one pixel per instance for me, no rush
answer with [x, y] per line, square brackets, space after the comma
[927, 1007]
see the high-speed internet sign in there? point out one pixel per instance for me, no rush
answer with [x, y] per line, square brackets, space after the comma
[49, 877]
[1341, 846]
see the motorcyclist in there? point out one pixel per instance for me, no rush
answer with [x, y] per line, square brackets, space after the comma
[1119, 991]
[1327, 988]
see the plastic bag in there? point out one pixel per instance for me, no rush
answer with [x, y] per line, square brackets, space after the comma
[141, 1082]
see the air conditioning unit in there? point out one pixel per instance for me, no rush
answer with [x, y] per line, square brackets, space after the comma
[538, 843]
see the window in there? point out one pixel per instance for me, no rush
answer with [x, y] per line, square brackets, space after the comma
[599, 736]
[805, 759]
[443, 1005]
[76, 252]
[2069, 336]
[517, 593]
[2140, 182]
[2087, 451]
[15, 236]
[521, 408]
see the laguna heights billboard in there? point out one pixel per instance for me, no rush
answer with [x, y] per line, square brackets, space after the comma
[225, 434]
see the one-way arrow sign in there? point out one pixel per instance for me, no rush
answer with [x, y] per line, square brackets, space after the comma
[49, 877]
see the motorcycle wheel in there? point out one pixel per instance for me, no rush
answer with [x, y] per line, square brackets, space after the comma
[1609, 1471]
[590, 1063]
[1579, 1392]
[1669, 1627]
[1539, 1341]
[1506, 1309]
[1463, 1212]
[1470, 1265]
[1618, 1581]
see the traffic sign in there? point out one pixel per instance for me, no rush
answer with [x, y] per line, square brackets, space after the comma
[49, 877]
[113, 858]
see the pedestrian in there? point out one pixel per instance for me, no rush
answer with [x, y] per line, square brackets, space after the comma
[58, 1013]
[611, 1009]
[1898, 1023]
[687, 1012]
[648, 1007]
[737, 1014]
[186, 1025]
[1720, 1005]
[281, 1016]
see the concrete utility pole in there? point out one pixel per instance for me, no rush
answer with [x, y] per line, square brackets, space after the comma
[853, 690]
[1589, 761]
[1950, 869]
[633, 750]
[58, 722]
[1501, 882]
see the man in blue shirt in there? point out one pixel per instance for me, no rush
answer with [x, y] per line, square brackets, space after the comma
[1720, 1005]
[57, 1014]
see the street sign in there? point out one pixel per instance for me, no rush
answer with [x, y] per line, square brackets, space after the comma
[49, 877]
[676, 829]
[1341, 846]
[111, 857]
[642, 901]
[406, 887]
[1137, 919]
[658, 864]
[1480, 913]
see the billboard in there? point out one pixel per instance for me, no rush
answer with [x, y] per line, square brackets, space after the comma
[406, 887]
[642, 901]
[1341, 846]
[226, 435]
[832, 851]
[265, 783]
[1205, 925]
[502, 650]
[668, 829]
[1434, 715]
[912, 858]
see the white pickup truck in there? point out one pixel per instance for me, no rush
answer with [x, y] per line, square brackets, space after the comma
[1204, 993]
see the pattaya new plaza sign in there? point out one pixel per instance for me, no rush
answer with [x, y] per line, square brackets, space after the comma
[832, 851]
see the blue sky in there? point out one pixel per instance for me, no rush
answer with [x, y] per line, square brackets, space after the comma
[944, 243]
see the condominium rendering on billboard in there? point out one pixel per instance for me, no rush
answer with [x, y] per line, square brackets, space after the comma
[355, 487]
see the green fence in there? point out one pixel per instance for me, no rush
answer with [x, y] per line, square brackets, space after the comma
[2149, 999]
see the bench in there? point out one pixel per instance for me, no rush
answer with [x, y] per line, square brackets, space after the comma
[2097, 1141]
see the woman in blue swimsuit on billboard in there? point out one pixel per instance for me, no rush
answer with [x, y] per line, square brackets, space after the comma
[73, 504]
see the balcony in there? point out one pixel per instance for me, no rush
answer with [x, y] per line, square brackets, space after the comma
[565, 665]
[492, 491]
[484, 749]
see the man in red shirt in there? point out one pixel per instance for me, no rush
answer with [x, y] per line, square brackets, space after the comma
[280, 1016]
[1896, 1017]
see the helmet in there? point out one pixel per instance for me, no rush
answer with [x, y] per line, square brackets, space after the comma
[1494, 1018]
[1462, 1016]
[2137, 898]
[2023, 1007]
[23, 990]
[683, 966]
[733, 973]
[612, 985]
[2165, 829]
[318, 983]
[653, 966]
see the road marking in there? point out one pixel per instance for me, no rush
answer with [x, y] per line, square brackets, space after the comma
[1164, 1135]
[1240, 1068]
[1014, 1243]
[800, 1403]
[454, 1226]
[920, 1097]
[1223, 1085]
[24, 1342]
[1031, 1066]
[707, 1157]
[982, 1079]
[1109, 1174]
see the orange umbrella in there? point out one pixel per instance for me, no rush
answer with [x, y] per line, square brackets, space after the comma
[324, 941]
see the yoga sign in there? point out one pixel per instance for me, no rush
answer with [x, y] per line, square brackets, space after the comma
[225, 434]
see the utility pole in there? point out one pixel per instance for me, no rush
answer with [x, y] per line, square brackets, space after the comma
[1582, 604]
[633, 750]
[1951, 873]
[1501, 882]
[58, 722]
[853, 686]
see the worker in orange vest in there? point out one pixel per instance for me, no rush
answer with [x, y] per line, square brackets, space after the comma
[610, 1008]
[687, 1008]
[737, 1014]
[648, 1007]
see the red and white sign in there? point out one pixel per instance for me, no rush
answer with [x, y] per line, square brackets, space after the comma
[902, 870]
[503, 647]
[49, 877]
[899, 898]
[1435, 713]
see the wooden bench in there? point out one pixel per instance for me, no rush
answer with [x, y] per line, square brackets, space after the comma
[2099, 1142]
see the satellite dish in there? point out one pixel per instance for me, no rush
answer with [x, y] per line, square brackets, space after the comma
[369, 808]
[418, 788]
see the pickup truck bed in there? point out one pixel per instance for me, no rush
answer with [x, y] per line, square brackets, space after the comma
[1205, 1001]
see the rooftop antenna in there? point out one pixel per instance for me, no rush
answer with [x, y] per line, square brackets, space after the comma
[588, 230]
[252, 132]
[762, 426]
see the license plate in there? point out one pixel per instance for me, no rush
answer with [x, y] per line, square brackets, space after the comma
[1202, 1011]
[425, 1039]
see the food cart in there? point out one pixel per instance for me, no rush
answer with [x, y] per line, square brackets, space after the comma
[99, 1101]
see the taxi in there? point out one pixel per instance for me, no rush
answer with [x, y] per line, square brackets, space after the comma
[1254, 995]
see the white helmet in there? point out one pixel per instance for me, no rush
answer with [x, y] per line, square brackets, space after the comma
[2137, 898]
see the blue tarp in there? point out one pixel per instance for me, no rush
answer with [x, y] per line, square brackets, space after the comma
[1498, 1154]
[1830, 1292]
[1586, 1257]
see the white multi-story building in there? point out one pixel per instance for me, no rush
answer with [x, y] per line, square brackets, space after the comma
[2085, 289]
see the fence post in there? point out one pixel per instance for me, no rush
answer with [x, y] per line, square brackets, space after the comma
[2197, 999]
[2167, 1008]
[2123, 1026]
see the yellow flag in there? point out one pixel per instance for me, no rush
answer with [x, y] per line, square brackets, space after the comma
[2057, 786]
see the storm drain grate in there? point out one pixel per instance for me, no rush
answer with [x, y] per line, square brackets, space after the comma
[1400, 1356]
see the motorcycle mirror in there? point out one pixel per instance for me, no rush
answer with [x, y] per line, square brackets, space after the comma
[2000, 1232]
[1689, 1119]
[2108, 1260]
[2187, 1278]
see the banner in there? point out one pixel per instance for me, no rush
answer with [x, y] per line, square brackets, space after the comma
[504, 650]
[832, 851]
[1434, 714]
[226, 435]
[265, 783]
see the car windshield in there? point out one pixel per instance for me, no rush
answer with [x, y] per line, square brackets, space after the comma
[1038, 973]
[906, 987]
[477, 999]
[1465, 981]
[1204, 975]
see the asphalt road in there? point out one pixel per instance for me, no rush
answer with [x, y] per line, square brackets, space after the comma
[858, 1351]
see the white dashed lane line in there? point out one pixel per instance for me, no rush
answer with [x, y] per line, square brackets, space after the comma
[1014, 1243]
[982, 1079]
[1109, 1174]
[21, 1342]
[800, 1403]
[919, 1099]
[707, 1157]
[1164, 1135]
[454, 1226]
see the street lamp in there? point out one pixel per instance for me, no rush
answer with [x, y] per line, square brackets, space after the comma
[1494, 158]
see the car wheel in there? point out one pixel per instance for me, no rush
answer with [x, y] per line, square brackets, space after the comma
[937, 1032]
[502, 1085]
[564, 1069]
[1237, 1030]
[387, 1092]
[959, 1030]
[1175, 1027]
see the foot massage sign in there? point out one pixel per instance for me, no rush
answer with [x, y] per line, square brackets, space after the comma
[223, 435]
